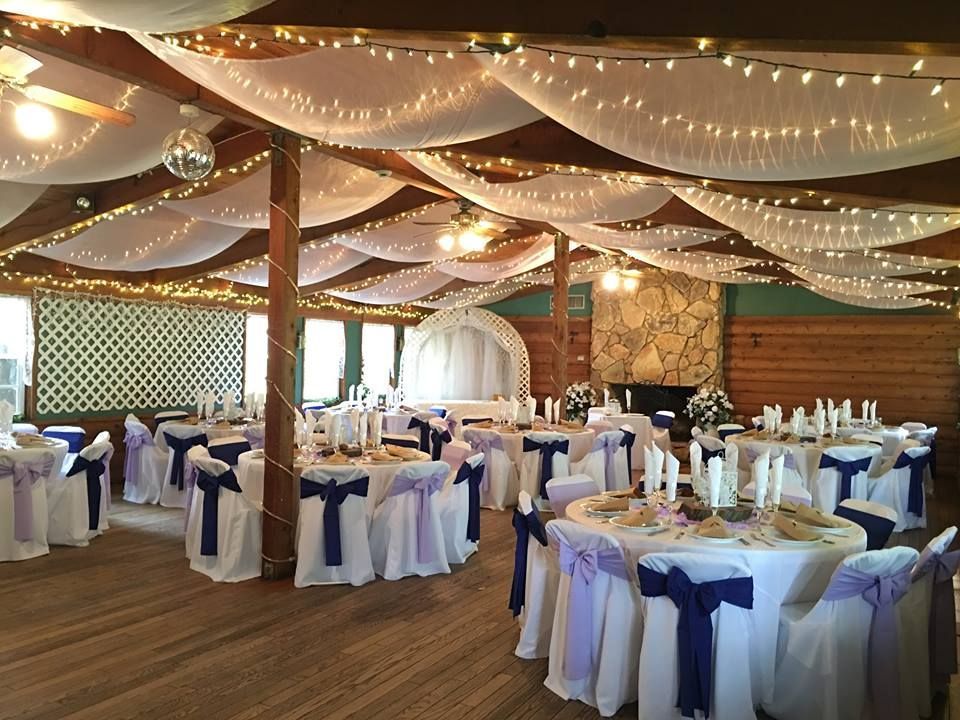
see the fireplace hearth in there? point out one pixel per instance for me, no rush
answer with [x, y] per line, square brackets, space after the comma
[648, 398]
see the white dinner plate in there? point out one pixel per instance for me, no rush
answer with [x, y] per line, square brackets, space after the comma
[717, 541]
[774, 536]
[645, 529]
[825, 530]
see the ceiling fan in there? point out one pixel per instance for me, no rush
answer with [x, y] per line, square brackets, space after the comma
[467, 229]
[16, 65]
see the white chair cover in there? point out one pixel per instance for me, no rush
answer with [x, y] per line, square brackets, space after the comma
[74, 435]
[356, 566]
[606, 462]
[453, 504]
[823, 660]
[70, 515]
[599, 426]
[562, 491]
[24, 428]
[595, 642]
[228, 448]
[455, 453]
[144, 466]
[23, 503]
[170, 494]
[238, 525]
[827, 481]
[913, 426]
[531, 465]
[406, 536]
[540, 581]
[499, 489]
[731, 696]
[793, 474]
[892, 487]
[661, 435]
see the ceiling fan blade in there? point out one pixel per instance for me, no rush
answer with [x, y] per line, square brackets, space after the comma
[436, 224]
[79, 106]
[17, 64]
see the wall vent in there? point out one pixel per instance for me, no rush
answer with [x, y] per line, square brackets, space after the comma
[574, 302]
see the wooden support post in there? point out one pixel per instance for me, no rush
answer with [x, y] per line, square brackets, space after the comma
[279, 479]
[561, 292]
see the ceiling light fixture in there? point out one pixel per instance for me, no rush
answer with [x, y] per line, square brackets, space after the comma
[34, 121]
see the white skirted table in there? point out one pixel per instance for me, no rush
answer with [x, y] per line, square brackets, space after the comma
[640, 423]
[214, 431]
[891, 435]
[464, 408]
[580, 443]
[782, 573]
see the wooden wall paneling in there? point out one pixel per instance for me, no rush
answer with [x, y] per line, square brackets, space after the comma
[537, 333]
[908, 364]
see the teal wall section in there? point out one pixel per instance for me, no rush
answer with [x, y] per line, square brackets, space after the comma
[298, 372]
[792, 300]
[352, 356]
[539, 304]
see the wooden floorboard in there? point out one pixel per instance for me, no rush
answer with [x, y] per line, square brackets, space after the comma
[123, 629]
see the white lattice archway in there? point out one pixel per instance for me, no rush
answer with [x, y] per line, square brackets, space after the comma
[483, 320]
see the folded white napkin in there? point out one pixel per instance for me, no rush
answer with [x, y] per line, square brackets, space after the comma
[310, 422]
[548, 409]
[866, 410]
[362, 430]
[761, 478]
[299, 428]
[200, 397]
[335, 431]
[375, 420]
[355, 423]
[556, 412]
[514, 408]
[714, 474]
[629, 396]
[606, 397]
[819, 405]
[531, 408]
[657, 472]
[352, 393]
[673, 472]
[696, 463]
[833, 416]
[873, 412]
[778, 417]
[819, 421]
[730, 455]
[830, 406]
[647, 470]
[776, 479]
[210, 404]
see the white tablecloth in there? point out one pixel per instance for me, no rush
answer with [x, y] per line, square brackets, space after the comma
[35, 452]
[465, 408]
[781, 574]
[580, 444]
[641, 425]
[891, 435]
[213, 432]
[395, 423]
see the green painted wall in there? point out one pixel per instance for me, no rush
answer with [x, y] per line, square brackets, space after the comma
[791, 300]
[352, 356]
[539, 304]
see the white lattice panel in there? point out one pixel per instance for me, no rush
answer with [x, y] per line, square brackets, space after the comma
[97, 353]
[484, 320]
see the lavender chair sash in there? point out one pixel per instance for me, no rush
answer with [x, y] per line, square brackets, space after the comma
[25, 475]
[661, 421]
[180, 447]
[629, 438]
[131, 463]
[789, 461]
[943, 628]
[847, 469]
[609, 445]
[334, 496]
[473, 476]
[424, 427]
[882, 592]
[547, 450]
[74, 439]
[525, 526]
[485, 444]
[94, 470]
[878, 528]
[254, 437]
[229, 452]
[915, 491]
[424, 487]
[582, 567]
[437, 440]
[210, 485]
[696, 602]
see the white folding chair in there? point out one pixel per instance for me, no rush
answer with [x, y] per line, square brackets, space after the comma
[900, 486]
[561, 491]
[595, 641]
[499, 486]
[23, 502]
[842, 473]
[223, 536]
[913, 426]
[543, 449]
[144, 464]
[536, 574]
[455, 453]
[77, 503]
[725, 430]
[825, 667]
[333, 545]
[74, 436]
[606, 462]
[661, 660]
[459, 508]
[406, 537]
[178, 438]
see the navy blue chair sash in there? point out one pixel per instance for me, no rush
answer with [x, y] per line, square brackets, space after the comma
[402, 442]
[180, 447]
[547, 450]
[333, 496]
[695, 601]
[525, 526]
[629, 438]
[847, 469]
[94, 470]
[229, 452]
[707, 453]
[74, 440]
[424, 427]
[471, 421]
[473, 476]
[878, 528]
[210, 485]
[437, 440]
[915, 491]
[661, 421]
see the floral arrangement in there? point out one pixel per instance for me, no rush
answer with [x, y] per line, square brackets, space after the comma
[709, 407]
[363, 392]
[580, 398]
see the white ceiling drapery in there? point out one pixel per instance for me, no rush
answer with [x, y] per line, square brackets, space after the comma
[399, 287]
[707, 119]
[17, 197]
[539, 253]
[881, 303]
[316, 263]
[862, 286]
[655, 238]
[716, 268]
[857, 263]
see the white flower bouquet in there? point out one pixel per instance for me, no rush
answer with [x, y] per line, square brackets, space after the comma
[580, 398]
[709, 407]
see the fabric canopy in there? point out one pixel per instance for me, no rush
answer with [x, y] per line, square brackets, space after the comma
[399, 287]
[330, 190]
[901, 303]
[478, 295]
[316, 263]
[858, 263]
[862, 286]
[539, 253]
[707, 119]
[15, 198]
[717, 268]
[347, 96]
[658, 238]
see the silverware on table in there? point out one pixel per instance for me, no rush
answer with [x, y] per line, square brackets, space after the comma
[828, 541]
[657, 532]
[743, 540]
[758, 536]
[679, 534]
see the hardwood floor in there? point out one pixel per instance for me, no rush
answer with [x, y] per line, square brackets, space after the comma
[123, 629]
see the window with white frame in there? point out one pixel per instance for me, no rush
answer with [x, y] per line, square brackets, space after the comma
[16, 350]
[255, 355]
[378, 356]
[324, 350]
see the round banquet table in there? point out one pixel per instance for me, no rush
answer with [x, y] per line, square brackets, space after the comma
[891, 435]
[34, 451]
[396, 423]
[213, 432]
[464, 408]
[641, 425]
[782, 574]
[580, 443]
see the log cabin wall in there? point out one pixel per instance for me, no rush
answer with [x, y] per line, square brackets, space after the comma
[907, 363]
[537, 333]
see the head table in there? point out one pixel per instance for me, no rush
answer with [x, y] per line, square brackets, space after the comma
[782, 573]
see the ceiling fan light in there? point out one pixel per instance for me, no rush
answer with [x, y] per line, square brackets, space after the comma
[446, 242]
[34, 121]
[630, 283]
[610, 280]
[471, 241]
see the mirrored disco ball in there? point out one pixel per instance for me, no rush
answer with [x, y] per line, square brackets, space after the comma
[188, 154]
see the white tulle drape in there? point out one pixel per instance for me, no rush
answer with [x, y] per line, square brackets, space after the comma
[478, 295]
[823, 229]
[400, 287]
[157, 239]
[82, 150]
[865, 287]
[315, 264]
[708, 119]
[716, 268]
[658, 238]
[858, 263]
[144, 15]
[539, 253]
[17, 197]
[330, 190]
[549, 198]
[347, 96]
[461, 363]
[901, 303]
